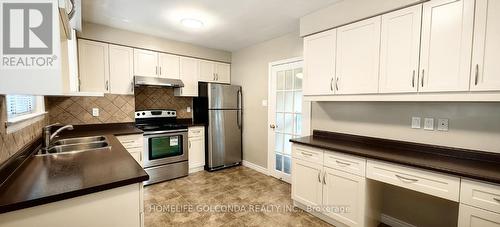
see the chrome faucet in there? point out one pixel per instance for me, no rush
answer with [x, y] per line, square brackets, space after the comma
[48, 137]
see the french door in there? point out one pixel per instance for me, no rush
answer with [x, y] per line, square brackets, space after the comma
[284, 115]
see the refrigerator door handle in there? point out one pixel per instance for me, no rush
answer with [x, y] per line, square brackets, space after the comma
[240, 109]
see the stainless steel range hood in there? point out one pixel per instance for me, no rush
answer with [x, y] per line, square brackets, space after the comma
[157, 81]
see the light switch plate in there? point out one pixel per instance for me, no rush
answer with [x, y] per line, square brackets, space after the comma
[415, 122]
[264, 102]
[443, 124]
[429, 124]
[95, 112]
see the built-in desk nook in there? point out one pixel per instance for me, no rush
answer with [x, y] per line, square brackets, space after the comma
[339, 178]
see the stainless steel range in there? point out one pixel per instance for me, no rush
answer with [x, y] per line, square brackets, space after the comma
[165, 145]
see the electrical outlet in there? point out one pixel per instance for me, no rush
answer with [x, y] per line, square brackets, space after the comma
[443, 124]
[95, 112]
[188, 109]
[415, 122]
[429, 124]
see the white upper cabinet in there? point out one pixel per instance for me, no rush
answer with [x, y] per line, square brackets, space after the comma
[358, 54]
[223, 73]
[93, 62]
[168, 66]
[121, 69]
[189, 70]
[399, 50]
[215, 72]
[486, 55]
[319, 60]
[447, 27]
[207, 71]
[145, 63]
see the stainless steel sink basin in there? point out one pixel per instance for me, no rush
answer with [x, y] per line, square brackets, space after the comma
[80, 140]
[75, 145]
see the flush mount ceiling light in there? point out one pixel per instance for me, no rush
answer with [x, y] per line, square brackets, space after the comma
[192, 23]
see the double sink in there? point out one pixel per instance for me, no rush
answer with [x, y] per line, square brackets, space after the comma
[75, 145]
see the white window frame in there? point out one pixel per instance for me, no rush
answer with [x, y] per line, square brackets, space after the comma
[16, 123]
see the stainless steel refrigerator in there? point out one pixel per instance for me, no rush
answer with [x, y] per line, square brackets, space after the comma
[219, 107]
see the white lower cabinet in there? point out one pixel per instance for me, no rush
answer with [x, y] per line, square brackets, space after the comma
[134, 145]
[306, 182]
[344, 197]
[196, 149]
[474, 217]
[336, 194]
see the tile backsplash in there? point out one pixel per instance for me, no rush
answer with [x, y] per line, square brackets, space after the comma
[78, 110]
[162, 98]
[12, 142]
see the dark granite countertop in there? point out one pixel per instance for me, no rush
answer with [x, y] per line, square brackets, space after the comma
[51, 178]
[473, 164]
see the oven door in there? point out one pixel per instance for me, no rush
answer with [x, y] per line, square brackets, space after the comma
[165, 148]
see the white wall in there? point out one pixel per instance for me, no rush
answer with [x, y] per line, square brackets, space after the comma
[128, 38]
[250, 70]
[472, 125]
[347, 11]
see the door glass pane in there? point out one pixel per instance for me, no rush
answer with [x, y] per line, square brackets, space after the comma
[288, 101]
[280, 80]
[298, 78]
[289, 79]
[297, 103]
[298, 124]
[288, 115]
[279, 122]
[288, 123]
[280, 102]
[279, 165]
[288, 145]
[286, 164]
[278, 142]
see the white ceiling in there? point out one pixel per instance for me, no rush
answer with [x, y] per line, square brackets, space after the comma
[229, 24]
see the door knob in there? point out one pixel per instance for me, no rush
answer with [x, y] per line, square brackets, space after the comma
[272, 126]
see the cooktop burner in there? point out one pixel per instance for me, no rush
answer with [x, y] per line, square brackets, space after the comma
[157, 120]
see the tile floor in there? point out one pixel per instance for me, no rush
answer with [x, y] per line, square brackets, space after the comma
[255, 200]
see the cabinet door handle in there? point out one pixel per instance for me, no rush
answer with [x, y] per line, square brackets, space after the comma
[476, 78]
[413, 79]
[306, 154]
[189, 144]
[107, 85]
[132, 86]
[423, 75]
[342, 163]
[156, 70]
[160, 70]
[319, 177]
[214, 75]
[337, 84]
[406, 180]
[331, 84]
[324, 178]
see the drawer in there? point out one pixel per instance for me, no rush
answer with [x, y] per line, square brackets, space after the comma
[428, 182]
[131, 141]
[480, 194]
[347, 163]
[196, 131]
[307, 154]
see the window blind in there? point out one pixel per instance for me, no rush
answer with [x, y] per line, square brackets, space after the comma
[20, 105]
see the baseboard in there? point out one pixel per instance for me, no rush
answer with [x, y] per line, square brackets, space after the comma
[394, 222]
[255, 167]
[196, 169]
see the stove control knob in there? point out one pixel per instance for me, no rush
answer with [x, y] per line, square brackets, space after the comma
[143, 113]
[138, 114]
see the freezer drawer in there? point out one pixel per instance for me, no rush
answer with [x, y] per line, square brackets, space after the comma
[224, 138]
